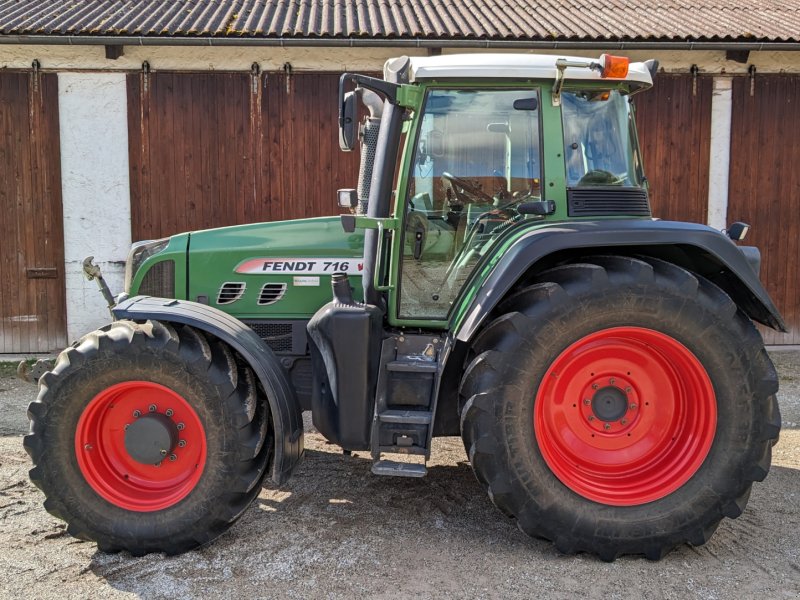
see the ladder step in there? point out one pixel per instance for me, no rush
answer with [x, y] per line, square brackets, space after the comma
[398, 469]
[412, 366]
[408, 417]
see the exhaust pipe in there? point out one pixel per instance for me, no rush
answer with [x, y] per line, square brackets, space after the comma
[368, 133]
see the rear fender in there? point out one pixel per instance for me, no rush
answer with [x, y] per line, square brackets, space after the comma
[697, 248]
[287, 417]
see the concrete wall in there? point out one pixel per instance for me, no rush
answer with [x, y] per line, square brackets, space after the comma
[95, 189]
[338, 59]
[94, 141]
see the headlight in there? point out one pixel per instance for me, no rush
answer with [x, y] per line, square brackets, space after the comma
[140, 252]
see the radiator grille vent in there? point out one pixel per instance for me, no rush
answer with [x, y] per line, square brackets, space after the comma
[277, 335]
[607, 202]
[230, 292]
[271, 293]
[159, 281]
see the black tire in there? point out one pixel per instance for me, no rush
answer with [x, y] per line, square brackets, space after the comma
[563, 305]
[220, 389]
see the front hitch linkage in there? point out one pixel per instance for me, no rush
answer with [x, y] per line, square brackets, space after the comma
[92, 272]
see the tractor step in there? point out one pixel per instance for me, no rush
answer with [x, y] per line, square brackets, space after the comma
[405, 403]
[412, 366]
[398, 469]
[408, 417]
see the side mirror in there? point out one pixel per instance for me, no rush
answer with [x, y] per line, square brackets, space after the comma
[347, 198]
[347, 122]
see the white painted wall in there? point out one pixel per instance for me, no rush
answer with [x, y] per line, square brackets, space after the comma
[719, 165]
[95, 190]
[224, 58]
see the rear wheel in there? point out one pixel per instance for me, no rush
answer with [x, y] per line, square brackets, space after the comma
[148, 438]
[619, 406]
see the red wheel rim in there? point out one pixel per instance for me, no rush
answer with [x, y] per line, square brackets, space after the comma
[625, 416]
[113, 473]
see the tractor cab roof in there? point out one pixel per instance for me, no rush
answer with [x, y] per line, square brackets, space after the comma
[505, 66]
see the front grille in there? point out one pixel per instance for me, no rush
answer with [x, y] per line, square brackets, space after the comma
[607, 201]
[159, 280]
[271, 293]
[277, 335]
[230, 292]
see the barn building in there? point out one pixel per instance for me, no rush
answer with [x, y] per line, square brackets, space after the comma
[138, 119]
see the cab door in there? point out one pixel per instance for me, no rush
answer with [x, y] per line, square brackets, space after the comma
[476, 156]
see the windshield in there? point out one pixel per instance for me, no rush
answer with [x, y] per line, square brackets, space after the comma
[477, 157]
[599, 139]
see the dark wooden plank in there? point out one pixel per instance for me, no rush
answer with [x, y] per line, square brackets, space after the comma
[32, 309]
[765, 185]
[674, 124]
[24, 247]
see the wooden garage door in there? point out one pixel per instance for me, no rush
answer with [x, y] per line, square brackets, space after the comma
[215, 149]
[674, 123]
[32, 294]
[765, 186]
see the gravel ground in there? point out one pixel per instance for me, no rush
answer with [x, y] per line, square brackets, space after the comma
[336, 531]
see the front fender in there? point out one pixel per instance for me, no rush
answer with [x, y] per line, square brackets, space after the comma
[700, 248]
[287, 416]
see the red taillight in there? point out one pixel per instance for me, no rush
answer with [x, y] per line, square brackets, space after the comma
[614, 67]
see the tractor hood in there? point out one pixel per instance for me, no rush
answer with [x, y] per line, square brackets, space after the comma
[263, 270]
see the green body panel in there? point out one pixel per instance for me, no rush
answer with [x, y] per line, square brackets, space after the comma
[175, 251]
[215, 254]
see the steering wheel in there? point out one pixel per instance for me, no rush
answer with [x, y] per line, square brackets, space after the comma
[463, 189]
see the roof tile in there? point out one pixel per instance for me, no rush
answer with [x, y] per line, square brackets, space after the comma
[524, 20]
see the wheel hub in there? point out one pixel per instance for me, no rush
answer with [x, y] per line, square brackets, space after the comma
[609, 403]
[151, 438]
[140, 445]
[625, 416]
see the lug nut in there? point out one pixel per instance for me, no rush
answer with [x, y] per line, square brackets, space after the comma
[152, 408]
[126, 426]
[180, 426]
[173, 457]
[595, 386]
[136, 414]
[612, 381]
[628, 390]
[87, 447]
[632, 406]
[158, 464]
[586, 401]
[182, 443]
[163, 452]
[169, 412]
[607, 426]
[624, 421]
[591, 417]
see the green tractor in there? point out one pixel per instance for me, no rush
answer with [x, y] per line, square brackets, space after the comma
[497, 275]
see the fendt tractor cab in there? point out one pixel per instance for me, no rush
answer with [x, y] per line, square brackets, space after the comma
[497, 275]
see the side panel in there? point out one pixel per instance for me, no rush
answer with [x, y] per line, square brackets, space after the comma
[765, 185]
[674, 125]
[283, 269]
[286, 414]
[699, 246]
[32, 292]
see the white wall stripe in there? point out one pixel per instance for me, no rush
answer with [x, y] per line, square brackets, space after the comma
[95, 190]
[721, 108]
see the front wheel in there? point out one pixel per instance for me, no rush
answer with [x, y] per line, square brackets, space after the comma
[619, 406]
[148, 438]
